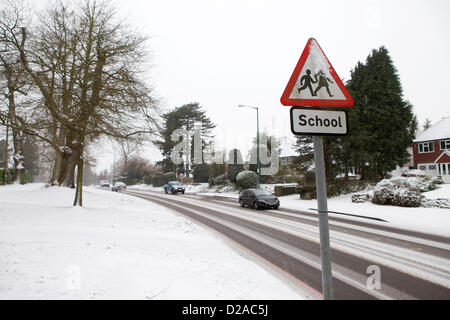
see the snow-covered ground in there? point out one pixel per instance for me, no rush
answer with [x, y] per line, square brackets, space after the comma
[119, 247]
[428, 220]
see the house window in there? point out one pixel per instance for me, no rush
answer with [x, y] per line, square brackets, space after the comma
[445, 144]
[432, 167]
[422, 167]
[426, 147]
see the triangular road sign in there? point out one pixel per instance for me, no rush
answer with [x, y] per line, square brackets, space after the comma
[314, 82]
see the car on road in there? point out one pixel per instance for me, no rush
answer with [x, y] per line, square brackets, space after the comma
[174, 187]
[119, 186]
[104, 184]
[414, 173]
[258, 199]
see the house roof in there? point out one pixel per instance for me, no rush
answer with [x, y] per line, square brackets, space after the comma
[439, 131]
[443, 158]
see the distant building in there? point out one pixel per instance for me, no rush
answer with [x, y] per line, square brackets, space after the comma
[287, 160]
[431, 150]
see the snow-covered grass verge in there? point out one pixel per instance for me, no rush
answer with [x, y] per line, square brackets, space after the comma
[429, 220]
[118, 247]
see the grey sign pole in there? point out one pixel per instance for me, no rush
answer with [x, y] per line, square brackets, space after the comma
[327, 280]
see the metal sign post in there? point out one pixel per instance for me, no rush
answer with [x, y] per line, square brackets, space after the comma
[314, 68]
[321, 188]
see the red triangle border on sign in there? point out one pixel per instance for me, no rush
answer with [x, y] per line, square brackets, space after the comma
[286, 101]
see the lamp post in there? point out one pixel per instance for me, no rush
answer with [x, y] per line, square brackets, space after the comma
[258, 167]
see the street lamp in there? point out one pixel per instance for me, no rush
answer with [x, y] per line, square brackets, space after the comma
[258, 167]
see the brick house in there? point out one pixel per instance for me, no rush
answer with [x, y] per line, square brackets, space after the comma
[431, 150]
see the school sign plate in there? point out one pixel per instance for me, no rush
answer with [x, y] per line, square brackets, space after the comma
[314, 122]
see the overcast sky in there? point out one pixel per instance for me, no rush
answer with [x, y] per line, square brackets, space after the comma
[225, 53]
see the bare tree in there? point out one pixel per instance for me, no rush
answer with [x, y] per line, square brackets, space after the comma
[88, 69]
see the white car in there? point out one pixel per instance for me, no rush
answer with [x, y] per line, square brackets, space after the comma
[105, 184]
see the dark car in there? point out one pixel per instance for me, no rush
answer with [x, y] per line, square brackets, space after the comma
[174, 187]
[258, 199]
[119, 186]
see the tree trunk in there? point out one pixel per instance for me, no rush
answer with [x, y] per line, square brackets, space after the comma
[80, 164]
[59, 157]
[5, 166]
[70, 174]
[17, 139]
[56, 168]
[346, 171]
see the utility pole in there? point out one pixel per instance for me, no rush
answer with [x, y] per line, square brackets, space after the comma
[258, 165]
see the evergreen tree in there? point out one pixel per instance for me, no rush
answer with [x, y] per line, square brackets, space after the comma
[381, 123]
[305, 149]
[332, 152]
[31, 154]
[201, 173]
[2, 153]
[184, 117]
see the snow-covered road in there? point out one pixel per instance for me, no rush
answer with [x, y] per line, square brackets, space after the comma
[412, 264]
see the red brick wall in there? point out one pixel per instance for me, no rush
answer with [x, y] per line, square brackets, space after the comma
[428, 157]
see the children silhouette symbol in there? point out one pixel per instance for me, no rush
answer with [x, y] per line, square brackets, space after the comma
[306, 81]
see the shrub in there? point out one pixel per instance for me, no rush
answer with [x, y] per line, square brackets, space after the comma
[220, 180]
[246, 180]
[398, 192]
[361, 197]
[8, 176]
[201, 173]
[157, 181]
[425, 183]
[340, 186]
[436, 203]
[26, 177]
[148, 179]
[285, 190]
[168, 176]
[216, 169]
[310, 177]
[234, 170]
[160, 180]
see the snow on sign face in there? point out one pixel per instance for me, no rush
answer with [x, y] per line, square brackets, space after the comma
[314, 82]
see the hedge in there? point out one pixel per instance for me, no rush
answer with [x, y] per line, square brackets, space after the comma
[160, 180]
[26, 177]
[201, 173]
[246, 180]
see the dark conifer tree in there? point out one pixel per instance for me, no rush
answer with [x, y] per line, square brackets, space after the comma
[184, 117]
[382, 123]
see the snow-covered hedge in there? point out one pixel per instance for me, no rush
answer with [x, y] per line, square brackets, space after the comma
[405, 192]
[436, 203]
[246, 179]
[425, 183]
[219, 180]
[361, 197]
[398, 192]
